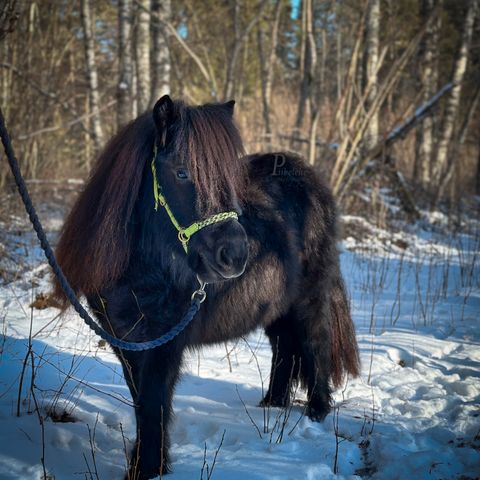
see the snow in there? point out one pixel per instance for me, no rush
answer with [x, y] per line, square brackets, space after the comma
[413, 413]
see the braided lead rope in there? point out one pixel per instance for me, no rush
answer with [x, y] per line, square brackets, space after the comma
[197, 298]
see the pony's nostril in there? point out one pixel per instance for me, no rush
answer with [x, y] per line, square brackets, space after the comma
[224, 258]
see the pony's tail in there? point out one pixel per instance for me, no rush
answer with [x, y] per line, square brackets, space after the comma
[345, 357]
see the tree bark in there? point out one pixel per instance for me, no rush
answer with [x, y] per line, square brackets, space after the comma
[439, 168]
[460, 141]
[477, 174]
[92, 76]
[162, 9]
[9, 13]
[267, 64]
[304, 68]
[142, 47]
[124, 87]
[428, 83]
[310, 63]
[372, 57]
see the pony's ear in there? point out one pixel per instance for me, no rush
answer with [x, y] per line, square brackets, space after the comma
[163, 117]
[229, 106]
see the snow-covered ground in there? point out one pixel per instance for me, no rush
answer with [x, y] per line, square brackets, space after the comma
[413, 414]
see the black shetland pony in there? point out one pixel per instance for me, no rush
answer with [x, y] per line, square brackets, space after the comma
[274, 266]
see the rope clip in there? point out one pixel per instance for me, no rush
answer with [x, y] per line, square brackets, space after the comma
[200, 294]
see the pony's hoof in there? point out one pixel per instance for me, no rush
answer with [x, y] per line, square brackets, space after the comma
[317, 413]
[273, 402]
[135, 474]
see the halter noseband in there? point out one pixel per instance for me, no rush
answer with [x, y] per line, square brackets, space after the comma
[184, 234]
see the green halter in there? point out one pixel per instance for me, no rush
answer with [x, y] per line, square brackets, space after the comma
[184, 234]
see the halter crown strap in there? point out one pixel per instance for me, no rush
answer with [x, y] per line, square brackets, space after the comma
[184, 234]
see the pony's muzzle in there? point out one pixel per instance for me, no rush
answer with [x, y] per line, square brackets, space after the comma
[231, 258]
[219, 252]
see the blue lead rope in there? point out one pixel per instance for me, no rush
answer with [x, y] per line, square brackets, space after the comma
[197, 297]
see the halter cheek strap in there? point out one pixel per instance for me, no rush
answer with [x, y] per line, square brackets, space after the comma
[184, 234]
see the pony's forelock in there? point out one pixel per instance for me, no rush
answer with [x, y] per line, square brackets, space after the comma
[207, 139]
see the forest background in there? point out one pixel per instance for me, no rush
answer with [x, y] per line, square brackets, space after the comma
[381, 95]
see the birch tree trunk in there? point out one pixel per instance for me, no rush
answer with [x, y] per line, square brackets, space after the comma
[428, 82]
[453, 102]
[162, 10]
[124, 86]
[372, 54]
[134, 86]
[458, 143]
[92, 77]
[142, 47]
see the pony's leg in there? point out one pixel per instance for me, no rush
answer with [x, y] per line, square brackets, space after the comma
[153, 376]
[286, 362]
[316, 359]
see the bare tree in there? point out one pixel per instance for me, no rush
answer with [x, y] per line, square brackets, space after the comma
[305, 66]
[459, 142]
[308, 67]
[92, 76]
[239, 38]
[142, 57]
[124, 87]
[372, 58]
[162, 10]
[162, 20]
[428, 82]
[267, 60]
[453, 102]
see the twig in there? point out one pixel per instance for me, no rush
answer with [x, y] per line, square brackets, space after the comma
[266, 408]
[205, 465]
[215, 456]
[248, 413]
[39, 415]
[92, 445]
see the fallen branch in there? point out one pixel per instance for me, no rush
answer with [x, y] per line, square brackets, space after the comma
[397, 133]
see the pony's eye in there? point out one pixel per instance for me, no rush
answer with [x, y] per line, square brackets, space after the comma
[182, 174]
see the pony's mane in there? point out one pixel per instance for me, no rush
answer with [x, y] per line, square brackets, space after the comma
[94, 246]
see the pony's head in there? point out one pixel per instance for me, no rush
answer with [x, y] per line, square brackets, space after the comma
[199, 172]
[198, 186]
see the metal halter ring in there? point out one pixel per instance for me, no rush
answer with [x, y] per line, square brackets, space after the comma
[182, 237]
